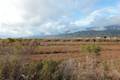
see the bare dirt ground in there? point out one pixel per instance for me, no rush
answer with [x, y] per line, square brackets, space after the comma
[64, 50]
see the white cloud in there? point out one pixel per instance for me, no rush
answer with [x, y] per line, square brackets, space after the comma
[28, 17]
[99, 19]
[51, 9]
[46, 17]
[10, 12]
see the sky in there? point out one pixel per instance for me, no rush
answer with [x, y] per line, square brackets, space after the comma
[22, 18]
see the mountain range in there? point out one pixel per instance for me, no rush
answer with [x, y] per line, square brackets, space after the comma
[111, 30]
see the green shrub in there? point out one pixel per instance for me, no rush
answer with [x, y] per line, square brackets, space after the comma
[47, 70]
[11, 40]
[91, 49]
[13, 68]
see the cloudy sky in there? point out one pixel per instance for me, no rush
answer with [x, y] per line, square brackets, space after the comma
[20, 18]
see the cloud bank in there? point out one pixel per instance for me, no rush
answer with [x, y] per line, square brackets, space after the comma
[100, 18]
[21, 18]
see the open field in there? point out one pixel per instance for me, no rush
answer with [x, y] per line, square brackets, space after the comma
[66, 50]
[59, 59]
[60, 49]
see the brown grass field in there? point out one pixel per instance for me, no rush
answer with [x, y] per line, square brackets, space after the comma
[59, 59]
[60, 50]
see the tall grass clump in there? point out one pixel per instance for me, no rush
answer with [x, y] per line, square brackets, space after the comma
[91, 49]
[92, 53]
[16, 68]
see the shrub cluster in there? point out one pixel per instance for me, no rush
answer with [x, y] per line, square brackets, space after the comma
[91, 49]
[14, 68]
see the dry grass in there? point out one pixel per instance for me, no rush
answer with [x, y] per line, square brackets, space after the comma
[58, 60]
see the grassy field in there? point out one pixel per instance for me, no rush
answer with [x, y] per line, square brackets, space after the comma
[58, 49]
[65, 50]
[59, 59]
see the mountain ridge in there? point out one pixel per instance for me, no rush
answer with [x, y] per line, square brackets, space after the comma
[111, 30]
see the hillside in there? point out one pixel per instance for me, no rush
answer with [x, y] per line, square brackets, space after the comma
[112, 30]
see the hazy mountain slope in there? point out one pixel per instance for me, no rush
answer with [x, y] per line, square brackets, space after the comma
[112, 30]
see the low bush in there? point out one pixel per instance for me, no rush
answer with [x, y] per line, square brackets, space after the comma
[91, 49]
[14, 68]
